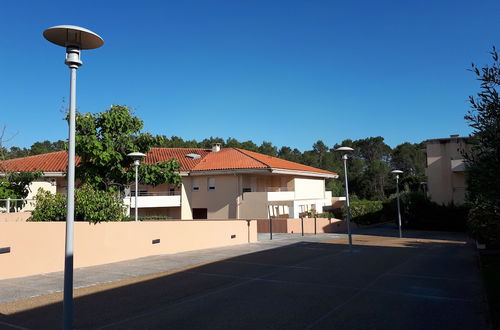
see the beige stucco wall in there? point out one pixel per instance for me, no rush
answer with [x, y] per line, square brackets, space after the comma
[253, 205]
[14, 217]
[38, 247]
[221, 202]
[47, 184]
[445, 185]
[309, 188]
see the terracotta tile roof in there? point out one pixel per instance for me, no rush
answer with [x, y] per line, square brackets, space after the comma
[156, 155]
[275, 162]
[225, 159]
[51, 162]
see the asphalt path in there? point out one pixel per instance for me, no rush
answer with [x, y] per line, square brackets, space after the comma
[427, 280]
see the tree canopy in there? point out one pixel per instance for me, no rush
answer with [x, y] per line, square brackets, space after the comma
[483, 160]
[103, 141]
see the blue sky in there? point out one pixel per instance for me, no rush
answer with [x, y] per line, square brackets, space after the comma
[289, 72]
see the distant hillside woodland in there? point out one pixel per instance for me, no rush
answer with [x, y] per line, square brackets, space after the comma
[368, 169]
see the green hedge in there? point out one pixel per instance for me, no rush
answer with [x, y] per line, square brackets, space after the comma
[484, 224]
[366, 212]
[418, 212]
[91, 205]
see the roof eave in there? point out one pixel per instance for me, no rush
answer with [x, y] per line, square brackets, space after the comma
[304, 173]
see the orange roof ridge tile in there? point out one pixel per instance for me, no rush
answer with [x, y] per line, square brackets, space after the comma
[275, 162]
[241, 151]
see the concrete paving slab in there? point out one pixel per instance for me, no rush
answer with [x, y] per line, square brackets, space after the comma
[289, 283]
[377, 310]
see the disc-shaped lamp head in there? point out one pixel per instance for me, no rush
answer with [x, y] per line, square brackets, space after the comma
[70, 35]
[136, 155]
[344, 149]
[397, 172]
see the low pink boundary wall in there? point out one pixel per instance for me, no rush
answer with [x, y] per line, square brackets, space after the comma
[294, 226]
[14, 217]
[38, 247]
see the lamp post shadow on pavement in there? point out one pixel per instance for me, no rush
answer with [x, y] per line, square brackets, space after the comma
[74, 39]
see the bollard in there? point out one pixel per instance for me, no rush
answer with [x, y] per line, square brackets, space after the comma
[314, 225]
[270, 227]
[248, 230]
[302, 224]
[8, 205]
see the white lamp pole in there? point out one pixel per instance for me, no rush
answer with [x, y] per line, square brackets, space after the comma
[136, 156]
[397, 173]
[73, 38]
[345, 151]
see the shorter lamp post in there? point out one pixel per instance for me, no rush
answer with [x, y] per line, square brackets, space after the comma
[345, 151]
[137, 157]
[397, 173]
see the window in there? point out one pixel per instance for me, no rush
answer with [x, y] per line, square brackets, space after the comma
[211, 183]
[247, 190]
[196, 185]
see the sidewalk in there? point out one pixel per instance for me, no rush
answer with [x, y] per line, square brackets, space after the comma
[37, 285]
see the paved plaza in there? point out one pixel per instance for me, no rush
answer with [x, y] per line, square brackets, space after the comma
[427, 280]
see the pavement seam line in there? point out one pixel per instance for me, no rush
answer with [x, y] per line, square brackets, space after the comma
[325, 285]
[357, 294]
[192, 299]
[13, 326]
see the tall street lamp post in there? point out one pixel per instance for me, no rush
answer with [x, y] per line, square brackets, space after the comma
[397, 173]
[137, 157]
[73, 38]
[345, 151]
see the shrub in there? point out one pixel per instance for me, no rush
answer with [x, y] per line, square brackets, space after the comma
[366, 212]
[484, 224]
[49, 207]
[95, 206]
[91, 205]
[418, 212]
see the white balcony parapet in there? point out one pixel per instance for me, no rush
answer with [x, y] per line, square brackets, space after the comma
[154, 201]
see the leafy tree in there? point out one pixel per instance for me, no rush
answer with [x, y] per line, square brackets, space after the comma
[46, 147]
[320, 149]
[483, 161]
[267, 148]
[91, 205]
[409, 158]
[16, 184]
[103, 141]
[208, 143]
[249, 145]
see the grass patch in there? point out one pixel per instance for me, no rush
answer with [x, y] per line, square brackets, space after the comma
[490, 265]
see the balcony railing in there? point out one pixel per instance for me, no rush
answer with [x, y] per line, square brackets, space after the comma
[17, 205]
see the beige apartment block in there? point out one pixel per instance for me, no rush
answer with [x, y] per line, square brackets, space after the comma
[217, 183]
[446, 169]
